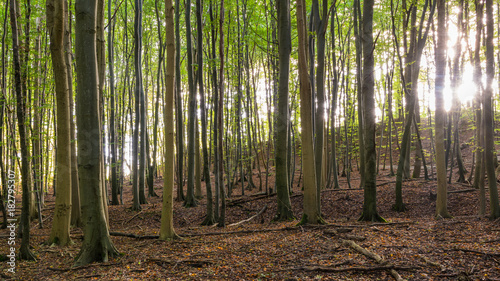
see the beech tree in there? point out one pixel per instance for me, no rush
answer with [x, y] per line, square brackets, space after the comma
[24, 252]
[311, 208]
[97, 244]
[284, 211]
[441, 200]
[488, 113]
[167, 226]
[62, 215]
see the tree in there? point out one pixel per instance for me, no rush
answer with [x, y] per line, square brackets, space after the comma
[370, 188]
[209, 219]
[167, 225]
[62, 212]
[97, 244]
[284, 211]
[220, 130]
[190, 200]
[311, 208]
[489, 148]
[24, 252]
[137, 152]
[441, 200]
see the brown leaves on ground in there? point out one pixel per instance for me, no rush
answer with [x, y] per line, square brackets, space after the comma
[414, 244]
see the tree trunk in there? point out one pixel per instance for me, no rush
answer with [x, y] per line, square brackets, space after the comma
[178, 106]
[489, 148]
[368, 106]
[441, 200]
[137, 98]
[190, 200]
[284, 209]
[167, 222]
[24, 252]
[62, 213]
[209, 218]
[311, 209]
[97, 244]
[222, 214]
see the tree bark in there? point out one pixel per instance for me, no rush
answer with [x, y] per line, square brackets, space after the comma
[284, 209]
[97, 244]
[441, 200]
[62, 213]
[368, 106]
[24, 252]
[311, 209]
[489, 147]
[167, 223]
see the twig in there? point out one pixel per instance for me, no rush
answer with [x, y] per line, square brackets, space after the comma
[132, 217]
[251, 218]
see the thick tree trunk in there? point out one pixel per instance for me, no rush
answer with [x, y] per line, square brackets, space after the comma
[97, 244]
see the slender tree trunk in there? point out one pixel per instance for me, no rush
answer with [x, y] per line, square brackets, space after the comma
[489, 148]
[62, 213]
[24, 252]
[136, 153]
[178, 106]
[368, 106]
[75, 190]
[311, 209]
[190, 200]
[167, 222]
[112, 126]
[359, 82]
[441, 200]
[284, 209]
[222, 215]
[3, 173]
[209, 218]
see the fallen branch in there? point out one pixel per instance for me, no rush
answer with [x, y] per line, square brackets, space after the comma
[251, 218]
[354, 268]
[428, 261]
[190, 262]
[88, 276]
[475, 252]
[463, 190]
[114, 233]
[249, 199]
[132, 218]
[82, 267]
[374, 256]
[131, 235]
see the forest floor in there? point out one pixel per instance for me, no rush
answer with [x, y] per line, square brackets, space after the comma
[413, 245]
